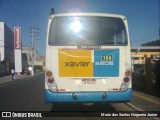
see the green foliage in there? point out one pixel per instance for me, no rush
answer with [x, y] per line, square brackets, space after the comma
[152, 43]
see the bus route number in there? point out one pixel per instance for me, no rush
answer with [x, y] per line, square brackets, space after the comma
[107, 58]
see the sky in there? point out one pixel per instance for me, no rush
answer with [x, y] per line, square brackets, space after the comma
[143, 16]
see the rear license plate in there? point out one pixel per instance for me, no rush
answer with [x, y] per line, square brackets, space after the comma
[88, 81]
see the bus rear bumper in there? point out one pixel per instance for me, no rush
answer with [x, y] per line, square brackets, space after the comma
[108, 96]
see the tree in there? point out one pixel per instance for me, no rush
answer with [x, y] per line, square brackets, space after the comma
[152, 43]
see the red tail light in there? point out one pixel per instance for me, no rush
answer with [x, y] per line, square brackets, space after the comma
[126, 79]
[50, 80]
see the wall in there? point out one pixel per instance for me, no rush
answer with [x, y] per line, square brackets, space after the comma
[9, 44]
[6, 49]
[2, 41]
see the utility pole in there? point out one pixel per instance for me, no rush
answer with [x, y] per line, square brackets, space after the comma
[34, 34]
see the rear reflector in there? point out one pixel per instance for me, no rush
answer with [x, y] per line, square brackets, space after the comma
[115, 88]
[61, 89]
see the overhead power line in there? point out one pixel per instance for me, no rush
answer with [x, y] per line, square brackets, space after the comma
[27, 13]
[35, 12]
[15, 12]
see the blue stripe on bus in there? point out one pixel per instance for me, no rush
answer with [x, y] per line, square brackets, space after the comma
[112, 96]
[106, 63]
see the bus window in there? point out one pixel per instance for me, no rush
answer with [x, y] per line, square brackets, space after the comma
[87, 30]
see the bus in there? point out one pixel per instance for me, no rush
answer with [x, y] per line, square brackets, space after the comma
[87, 58]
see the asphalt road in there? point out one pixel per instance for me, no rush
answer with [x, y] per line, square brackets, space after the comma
[28, 95]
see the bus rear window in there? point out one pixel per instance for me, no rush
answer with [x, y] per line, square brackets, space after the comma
[83, 30]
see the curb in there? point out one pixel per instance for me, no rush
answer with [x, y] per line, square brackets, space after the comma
[9, 82]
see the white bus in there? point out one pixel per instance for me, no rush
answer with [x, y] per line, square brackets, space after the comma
[88, 58]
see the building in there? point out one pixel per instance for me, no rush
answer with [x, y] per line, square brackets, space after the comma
[6, 49]
[27, 58]
[40, 62]
[140, 54]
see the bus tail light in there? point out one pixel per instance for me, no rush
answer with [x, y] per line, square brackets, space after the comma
[128, 73]
[53, 87]
[50, 80]
[48, 73]
[124, 86]
[126, 79]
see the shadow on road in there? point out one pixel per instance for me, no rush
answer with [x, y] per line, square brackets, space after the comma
[79, 109]
[82, 107]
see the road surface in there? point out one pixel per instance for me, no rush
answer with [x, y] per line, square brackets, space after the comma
[28, 95]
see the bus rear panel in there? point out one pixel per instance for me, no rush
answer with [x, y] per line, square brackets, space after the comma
[88, 58]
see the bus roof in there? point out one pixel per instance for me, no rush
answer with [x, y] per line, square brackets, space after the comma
[89, 14]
